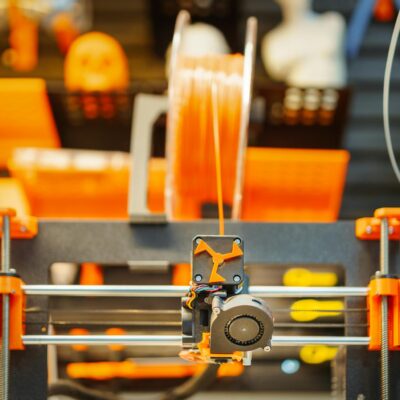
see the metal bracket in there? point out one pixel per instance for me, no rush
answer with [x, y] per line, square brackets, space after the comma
[147, 109]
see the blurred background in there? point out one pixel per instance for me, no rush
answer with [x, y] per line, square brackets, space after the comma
[71, 72]
[144, 30]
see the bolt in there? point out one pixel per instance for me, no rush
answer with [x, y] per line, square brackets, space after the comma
[267, 348]
[368, 229]
[22, 228]
[237, 278]
[391, 230]
[197, 240]
[198, 278]
[237, 241]
[216, 310]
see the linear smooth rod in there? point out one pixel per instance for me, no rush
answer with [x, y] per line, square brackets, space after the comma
[178, 291]
[176, 340]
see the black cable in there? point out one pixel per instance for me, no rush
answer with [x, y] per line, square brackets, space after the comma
[77, 391]
[191, 386]
[386, 92]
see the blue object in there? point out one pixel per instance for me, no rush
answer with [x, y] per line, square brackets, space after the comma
[290, 366]
[358, 25]
[63, 5]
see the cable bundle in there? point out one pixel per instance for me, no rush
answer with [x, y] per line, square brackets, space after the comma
[191, 149]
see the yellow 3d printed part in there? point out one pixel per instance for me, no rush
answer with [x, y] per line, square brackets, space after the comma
[308, 309]
[305, 277]
[317, 354]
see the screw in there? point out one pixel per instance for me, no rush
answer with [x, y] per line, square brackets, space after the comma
[197, 240]
[384, 269]
[22, 228]
[237, 278]
[198, 278]
[216, 310]
[391, 230]
[237, 241]
[368, 229]
[267, 348]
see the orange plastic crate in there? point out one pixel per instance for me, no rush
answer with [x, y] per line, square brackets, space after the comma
[81, 184]
[26, 117]
[280, 185]
[290, 185]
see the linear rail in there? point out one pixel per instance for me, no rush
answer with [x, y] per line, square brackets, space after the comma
[178, 291]
[176, 340]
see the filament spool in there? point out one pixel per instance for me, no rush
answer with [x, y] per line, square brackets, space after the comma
[191, 177]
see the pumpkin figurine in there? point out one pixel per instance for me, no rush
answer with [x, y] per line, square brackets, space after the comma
[96, 62]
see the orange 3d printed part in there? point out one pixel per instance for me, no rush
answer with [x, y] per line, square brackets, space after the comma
[382, 285]
[96, 62]
[384, 10]
[12, 285]
[23, 54]
[130, 369]
[26, 117]
[64, 31]
[13, 194]
[369, 228]
[378, 287]
[23, 226]
[11, 290]
[191, 143]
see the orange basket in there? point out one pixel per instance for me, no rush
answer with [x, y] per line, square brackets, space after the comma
[26, 117]
[81, 184]
[281, 185]
[291, 185]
